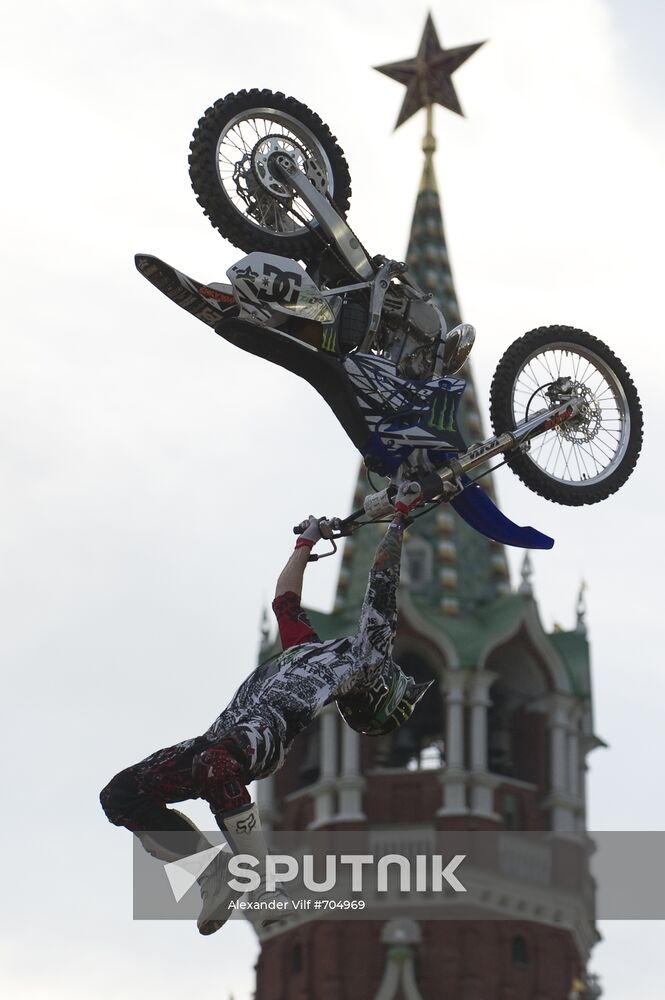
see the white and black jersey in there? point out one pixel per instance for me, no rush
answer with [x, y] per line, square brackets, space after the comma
[285, 693]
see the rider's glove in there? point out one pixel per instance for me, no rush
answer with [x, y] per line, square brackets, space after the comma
[312, 532]
[407, 498]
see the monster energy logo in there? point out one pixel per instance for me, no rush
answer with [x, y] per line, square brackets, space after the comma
[442, 414]
[329, 342]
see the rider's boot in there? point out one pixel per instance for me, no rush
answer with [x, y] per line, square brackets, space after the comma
[183, 847]
[176, 843]
[242, 827]
[216, 894]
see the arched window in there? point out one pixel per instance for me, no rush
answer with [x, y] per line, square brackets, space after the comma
[418, 744]
[520, 952]
[515, 714]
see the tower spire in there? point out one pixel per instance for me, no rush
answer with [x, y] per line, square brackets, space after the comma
[467, 569]
[428, 179]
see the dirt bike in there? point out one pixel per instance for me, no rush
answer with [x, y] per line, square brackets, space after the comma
[273, 180]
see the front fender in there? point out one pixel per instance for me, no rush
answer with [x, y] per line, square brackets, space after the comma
[475, 507]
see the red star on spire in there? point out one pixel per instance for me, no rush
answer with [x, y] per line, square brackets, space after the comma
[427, 78]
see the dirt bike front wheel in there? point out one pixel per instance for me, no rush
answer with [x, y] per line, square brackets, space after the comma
[590, 456]
[232, 151]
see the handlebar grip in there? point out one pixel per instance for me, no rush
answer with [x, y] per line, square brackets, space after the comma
[299, 528]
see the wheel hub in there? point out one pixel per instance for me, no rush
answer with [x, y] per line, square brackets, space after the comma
[584, 425]
[276, 153]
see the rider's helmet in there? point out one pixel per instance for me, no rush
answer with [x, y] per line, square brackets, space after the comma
[383, 706]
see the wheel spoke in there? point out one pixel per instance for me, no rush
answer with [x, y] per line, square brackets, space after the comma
[579, 468]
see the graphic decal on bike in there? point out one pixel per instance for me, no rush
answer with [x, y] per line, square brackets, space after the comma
[329, 341]
[442, 413]
[271, 287]
[276, 285]
[213, 293]
[399, 411]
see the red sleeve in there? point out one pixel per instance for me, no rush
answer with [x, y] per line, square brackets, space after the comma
[294, 626]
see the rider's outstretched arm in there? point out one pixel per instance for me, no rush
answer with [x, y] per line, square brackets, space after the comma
[389, 551]
[294, 625]
[290, 579]
[378, 615]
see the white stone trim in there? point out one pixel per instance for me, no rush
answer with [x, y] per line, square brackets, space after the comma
[325, 790]
[351, 783]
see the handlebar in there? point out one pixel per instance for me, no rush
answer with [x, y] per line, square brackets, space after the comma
[375, 505]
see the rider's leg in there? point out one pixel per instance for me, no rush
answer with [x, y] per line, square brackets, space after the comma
[137, 798]
[221, 773]
[243, 830]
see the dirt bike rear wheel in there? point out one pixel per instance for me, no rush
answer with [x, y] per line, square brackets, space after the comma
[588, 457]
[229, 167]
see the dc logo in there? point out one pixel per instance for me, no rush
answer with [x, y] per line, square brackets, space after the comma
[246, 825]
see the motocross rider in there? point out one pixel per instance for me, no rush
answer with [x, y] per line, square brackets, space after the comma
[279, 699]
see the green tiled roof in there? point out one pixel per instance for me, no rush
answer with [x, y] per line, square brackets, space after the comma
[573, 648]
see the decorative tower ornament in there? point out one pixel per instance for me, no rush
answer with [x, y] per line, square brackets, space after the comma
[264, 628]
[428, 77]
[526, 587]
[402, 937]
[581, 609]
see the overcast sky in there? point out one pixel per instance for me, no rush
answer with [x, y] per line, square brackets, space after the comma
[151, 472]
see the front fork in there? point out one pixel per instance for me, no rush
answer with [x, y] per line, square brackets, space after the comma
[480, 453]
